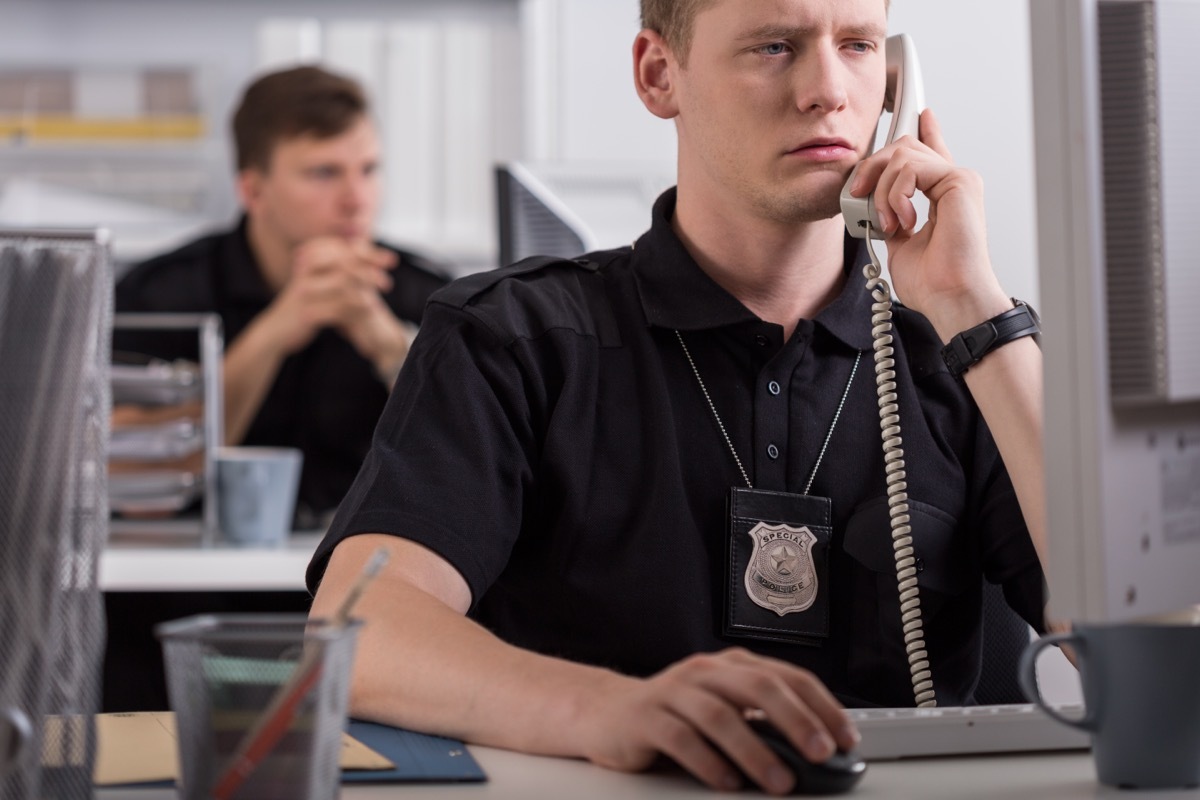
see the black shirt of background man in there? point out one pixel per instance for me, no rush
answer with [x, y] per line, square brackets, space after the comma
[548, 438]
[326, 398]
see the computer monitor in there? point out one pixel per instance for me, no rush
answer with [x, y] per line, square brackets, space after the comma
[569, 208]
[1116, 111]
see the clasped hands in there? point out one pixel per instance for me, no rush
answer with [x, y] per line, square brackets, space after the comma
[336, 283]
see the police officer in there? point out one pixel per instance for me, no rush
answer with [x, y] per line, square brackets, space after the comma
[631, 499]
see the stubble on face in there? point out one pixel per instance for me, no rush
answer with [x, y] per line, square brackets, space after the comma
[793, 206]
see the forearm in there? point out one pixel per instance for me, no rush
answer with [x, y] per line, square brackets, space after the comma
[422, 664]
[1007, 387]
[249, 369]
[384, 340]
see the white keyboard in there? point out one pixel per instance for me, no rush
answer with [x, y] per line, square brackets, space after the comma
[889, 733]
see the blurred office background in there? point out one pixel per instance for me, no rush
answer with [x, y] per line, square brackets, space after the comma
[116, 111]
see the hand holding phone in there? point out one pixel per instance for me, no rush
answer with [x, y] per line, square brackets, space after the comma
[905, 98]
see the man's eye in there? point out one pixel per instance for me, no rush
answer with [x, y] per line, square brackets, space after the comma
[773, 49]
[323, 173]
[862, 47]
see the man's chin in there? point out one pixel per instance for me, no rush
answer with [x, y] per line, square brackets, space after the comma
[801, 207]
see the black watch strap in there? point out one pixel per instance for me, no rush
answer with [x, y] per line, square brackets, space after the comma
[967, 348]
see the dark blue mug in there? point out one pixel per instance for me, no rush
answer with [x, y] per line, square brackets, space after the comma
[1141, 692]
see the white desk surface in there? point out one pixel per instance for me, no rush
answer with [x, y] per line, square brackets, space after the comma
[512, 776]
[172, 563]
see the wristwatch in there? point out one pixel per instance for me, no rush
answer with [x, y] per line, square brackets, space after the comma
[967, 348]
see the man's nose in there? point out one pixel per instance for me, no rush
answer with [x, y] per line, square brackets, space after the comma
[358, 192]
[821, 82]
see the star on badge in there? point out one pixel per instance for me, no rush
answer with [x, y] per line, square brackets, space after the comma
[784, 559]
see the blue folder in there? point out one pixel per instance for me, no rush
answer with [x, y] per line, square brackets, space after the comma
[419, 757]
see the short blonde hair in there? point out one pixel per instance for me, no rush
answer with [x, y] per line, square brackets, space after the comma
[674, 21]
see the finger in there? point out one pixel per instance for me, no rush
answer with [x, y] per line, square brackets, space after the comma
[762, 685]
[677, 739]
[324, 283]
[928, 173]
[871, 168]
[370, 276]
[724, 725]
[900, 194]
[930, 131]
[374, 255]
[351, 273]
[318, 255]
[814, 698]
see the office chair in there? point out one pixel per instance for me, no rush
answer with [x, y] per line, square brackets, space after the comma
[1005, 636]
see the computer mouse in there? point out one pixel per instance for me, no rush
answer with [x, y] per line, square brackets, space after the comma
[839, 774]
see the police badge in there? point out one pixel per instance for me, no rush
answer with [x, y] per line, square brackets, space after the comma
[780, 576]
[776, 580]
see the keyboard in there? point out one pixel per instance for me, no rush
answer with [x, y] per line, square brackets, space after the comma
[890, 733]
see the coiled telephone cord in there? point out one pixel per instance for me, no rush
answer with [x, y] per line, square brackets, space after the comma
[893, 459]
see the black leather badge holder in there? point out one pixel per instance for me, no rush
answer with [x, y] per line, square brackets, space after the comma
[777, 576]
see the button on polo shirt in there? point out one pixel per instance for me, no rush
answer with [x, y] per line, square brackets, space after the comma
[551, 441]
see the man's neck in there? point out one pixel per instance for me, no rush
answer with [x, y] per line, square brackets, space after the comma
[783, 273]
[273, 255]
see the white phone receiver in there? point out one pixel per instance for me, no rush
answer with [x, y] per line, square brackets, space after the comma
[905, 98]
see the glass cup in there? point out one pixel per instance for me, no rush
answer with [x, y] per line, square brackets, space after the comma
[260, 704]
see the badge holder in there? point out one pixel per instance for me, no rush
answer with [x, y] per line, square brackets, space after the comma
[776, 582]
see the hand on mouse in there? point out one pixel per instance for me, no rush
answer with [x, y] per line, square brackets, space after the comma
[694, 713]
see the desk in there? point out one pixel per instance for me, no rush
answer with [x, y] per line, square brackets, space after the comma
[1051, 776]
[177, 564]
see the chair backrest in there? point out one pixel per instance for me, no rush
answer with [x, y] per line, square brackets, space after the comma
[1005, 636]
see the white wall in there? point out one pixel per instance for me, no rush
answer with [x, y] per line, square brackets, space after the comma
[975, 59]
[220, 41]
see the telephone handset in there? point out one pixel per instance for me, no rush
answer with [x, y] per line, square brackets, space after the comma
[905, 98]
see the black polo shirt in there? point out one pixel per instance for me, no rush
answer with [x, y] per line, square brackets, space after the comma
[550, 440]
[326, 398]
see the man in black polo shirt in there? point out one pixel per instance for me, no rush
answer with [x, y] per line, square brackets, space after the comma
[317, 317]
[632, 499]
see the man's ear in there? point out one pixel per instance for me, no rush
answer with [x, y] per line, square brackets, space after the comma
[654, 70]
[249, 187]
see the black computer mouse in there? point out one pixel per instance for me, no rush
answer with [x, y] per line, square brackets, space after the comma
[839, 774]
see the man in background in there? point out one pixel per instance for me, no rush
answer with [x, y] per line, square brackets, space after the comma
[317, 320]
[317, 316]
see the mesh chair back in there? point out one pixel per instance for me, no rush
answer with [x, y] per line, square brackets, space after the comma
[1005, 637]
